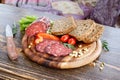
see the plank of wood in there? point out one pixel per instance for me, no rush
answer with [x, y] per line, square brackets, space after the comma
[10, 14]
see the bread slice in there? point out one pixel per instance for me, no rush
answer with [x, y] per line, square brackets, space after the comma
[63, 26]
[84, 28]
[95, 34]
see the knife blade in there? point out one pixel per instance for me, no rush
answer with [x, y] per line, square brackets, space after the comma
[12, 53]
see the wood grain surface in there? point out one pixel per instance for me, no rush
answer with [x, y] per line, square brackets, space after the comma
[63, 62]
[25, 69]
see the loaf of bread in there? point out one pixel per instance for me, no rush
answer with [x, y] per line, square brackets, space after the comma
[84, 28]
[67, 7]
[95, 34]
[63, 26]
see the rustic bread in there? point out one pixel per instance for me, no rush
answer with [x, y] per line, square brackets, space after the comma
[67, 7]
[63, 26]
[95, 34]
[84, 28]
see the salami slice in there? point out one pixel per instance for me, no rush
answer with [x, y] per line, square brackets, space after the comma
[46, 42]
[58, 50]
[35, 28]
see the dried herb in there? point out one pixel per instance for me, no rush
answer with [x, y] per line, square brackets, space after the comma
[105, 45]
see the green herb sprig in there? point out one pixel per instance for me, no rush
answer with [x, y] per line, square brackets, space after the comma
[49, 29]
[14, 29]
[105, 45]
[69, 46]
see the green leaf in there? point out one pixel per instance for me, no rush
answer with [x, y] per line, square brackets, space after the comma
[14, 29]
[51, 23]
[105, 45]
[31, 17]
[26, 21]
[69, 45]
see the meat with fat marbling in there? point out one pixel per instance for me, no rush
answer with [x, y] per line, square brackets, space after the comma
[42, 45]
[53, 47]
[58, 50]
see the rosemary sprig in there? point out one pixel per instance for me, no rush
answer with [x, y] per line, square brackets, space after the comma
[105, 45]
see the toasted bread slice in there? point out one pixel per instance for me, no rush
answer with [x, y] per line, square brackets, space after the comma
[63, 26]
[84, 28]
[95, 34]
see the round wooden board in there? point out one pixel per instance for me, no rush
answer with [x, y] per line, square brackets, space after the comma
[67, 62]
[85, 59]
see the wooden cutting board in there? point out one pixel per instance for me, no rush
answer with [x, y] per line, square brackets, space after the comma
[67, 62]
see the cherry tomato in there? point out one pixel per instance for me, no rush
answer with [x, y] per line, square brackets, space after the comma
[72, 41]
[65, 38]
[38, 40]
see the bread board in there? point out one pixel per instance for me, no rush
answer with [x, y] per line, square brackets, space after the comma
[66, 62]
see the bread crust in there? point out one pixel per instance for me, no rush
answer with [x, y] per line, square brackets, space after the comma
[95, 34]
[61, 26]
[81, 24]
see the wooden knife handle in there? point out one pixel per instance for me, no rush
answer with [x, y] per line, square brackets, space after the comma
[12, 53]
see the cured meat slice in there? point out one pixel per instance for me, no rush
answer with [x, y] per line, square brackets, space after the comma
[58, 49]
[46, 42]
[35, 28]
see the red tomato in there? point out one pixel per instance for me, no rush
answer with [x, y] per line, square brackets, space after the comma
[72, 41]
[65, 38]
[38, 40]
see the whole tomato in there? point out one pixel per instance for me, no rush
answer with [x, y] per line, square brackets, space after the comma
[65, 38]
[72, 41]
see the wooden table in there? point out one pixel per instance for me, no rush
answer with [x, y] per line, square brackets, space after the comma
[25, 69]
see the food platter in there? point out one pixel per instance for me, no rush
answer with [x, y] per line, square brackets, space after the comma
[66, 62]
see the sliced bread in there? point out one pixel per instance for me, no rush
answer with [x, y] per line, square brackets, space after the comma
[63, 26]
[84, 28]
[95, 34]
